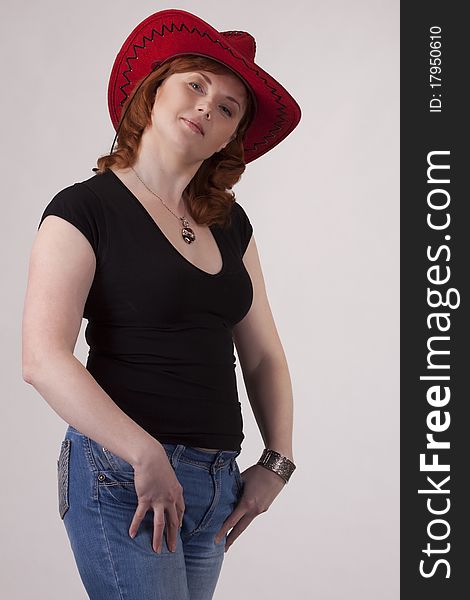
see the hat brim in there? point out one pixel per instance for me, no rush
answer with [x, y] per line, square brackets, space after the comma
[171, 33]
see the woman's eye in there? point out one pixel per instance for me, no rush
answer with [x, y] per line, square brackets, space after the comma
[226, 110]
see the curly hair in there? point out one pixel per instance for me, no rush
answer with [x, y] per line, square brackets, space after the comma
[209, 196]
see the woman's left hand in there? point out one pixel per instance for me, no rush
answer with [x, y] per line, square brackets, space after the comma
[260, 488]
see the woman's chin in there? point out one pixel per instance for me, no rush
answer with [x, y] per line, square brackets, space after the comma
[187, 153]
[184, 146]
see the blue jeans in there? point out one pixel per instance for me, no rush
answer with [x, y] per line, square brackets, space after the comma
[97, 502]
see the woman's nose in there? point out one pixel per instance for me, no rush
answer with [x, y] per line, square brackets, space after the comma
[205, 107]
[206, 115]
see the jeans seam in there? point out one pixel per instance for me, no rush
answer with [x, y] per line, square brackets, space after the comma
[93, 466]
[216, 477]
[108, 549]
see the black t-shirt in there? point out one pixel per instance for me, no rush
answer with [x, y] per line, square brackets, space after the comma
[160, 328]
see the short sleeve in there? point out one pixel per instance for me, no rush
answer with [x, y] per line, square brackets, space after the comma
[243, 227]
[78, 205]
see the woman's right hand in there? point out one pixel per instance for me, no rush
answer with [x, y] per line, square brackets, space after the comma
[158, 489]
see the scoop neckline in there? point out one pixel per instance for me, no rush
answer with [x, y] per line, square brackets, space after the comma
[158, 229]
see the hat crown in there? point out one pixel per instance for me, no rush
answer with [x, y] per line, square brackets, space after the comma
[243, 42]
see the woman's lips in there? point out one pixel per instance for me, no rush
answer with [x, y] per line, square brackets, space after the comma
[192, 126]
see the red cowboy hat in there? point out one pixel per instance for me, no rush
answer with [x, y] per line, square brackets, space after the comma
[174, 32]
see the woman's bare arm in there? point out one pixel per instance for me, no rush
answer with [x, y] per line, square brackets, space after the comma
[264, 365]
[269, 389]
[61, 271]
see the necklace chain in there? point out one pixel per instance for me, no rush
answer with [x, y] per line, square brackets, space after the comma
[155, 194]
[187, 233]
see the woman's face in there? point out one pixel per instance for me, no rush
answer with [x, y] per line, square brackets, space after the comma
[214, 102]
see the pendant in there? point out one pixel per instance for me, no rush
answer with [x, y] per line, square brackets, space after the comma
[187, 233]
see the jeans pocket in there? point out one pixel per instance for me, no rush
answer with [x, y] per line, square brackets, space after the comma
[115, 477]
[63, 477]
[116, 463]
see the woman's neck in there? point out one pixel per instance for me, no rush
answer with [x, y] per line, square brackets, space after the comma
[165, 173]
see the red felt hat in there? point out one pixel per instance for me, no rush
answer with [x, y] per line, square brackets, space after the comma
[174, 32]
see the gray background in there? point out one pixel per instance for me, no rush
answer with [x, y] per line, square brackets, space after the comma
[324, 206]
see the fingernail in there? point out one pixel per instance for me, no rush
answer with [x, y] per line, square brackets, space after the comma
[132, 535]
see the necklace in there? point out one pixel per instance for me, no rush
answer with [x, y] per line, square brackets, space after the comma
[187, 233]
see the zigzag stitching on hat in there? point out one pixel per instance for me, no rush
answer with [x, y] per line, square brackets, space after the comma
[281, 119]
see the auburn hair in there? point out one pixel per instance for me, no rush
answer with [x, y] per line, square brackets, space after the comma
[209, 196]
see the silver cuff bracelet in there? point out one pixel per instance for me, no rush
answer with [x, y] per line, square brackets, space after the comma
[273, 461]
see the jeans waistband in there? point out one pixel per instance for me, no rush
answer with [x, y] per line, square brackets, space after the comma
[176, 452]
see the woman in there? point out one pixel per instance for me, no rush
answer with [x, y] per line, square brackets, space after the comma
[148, 480]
